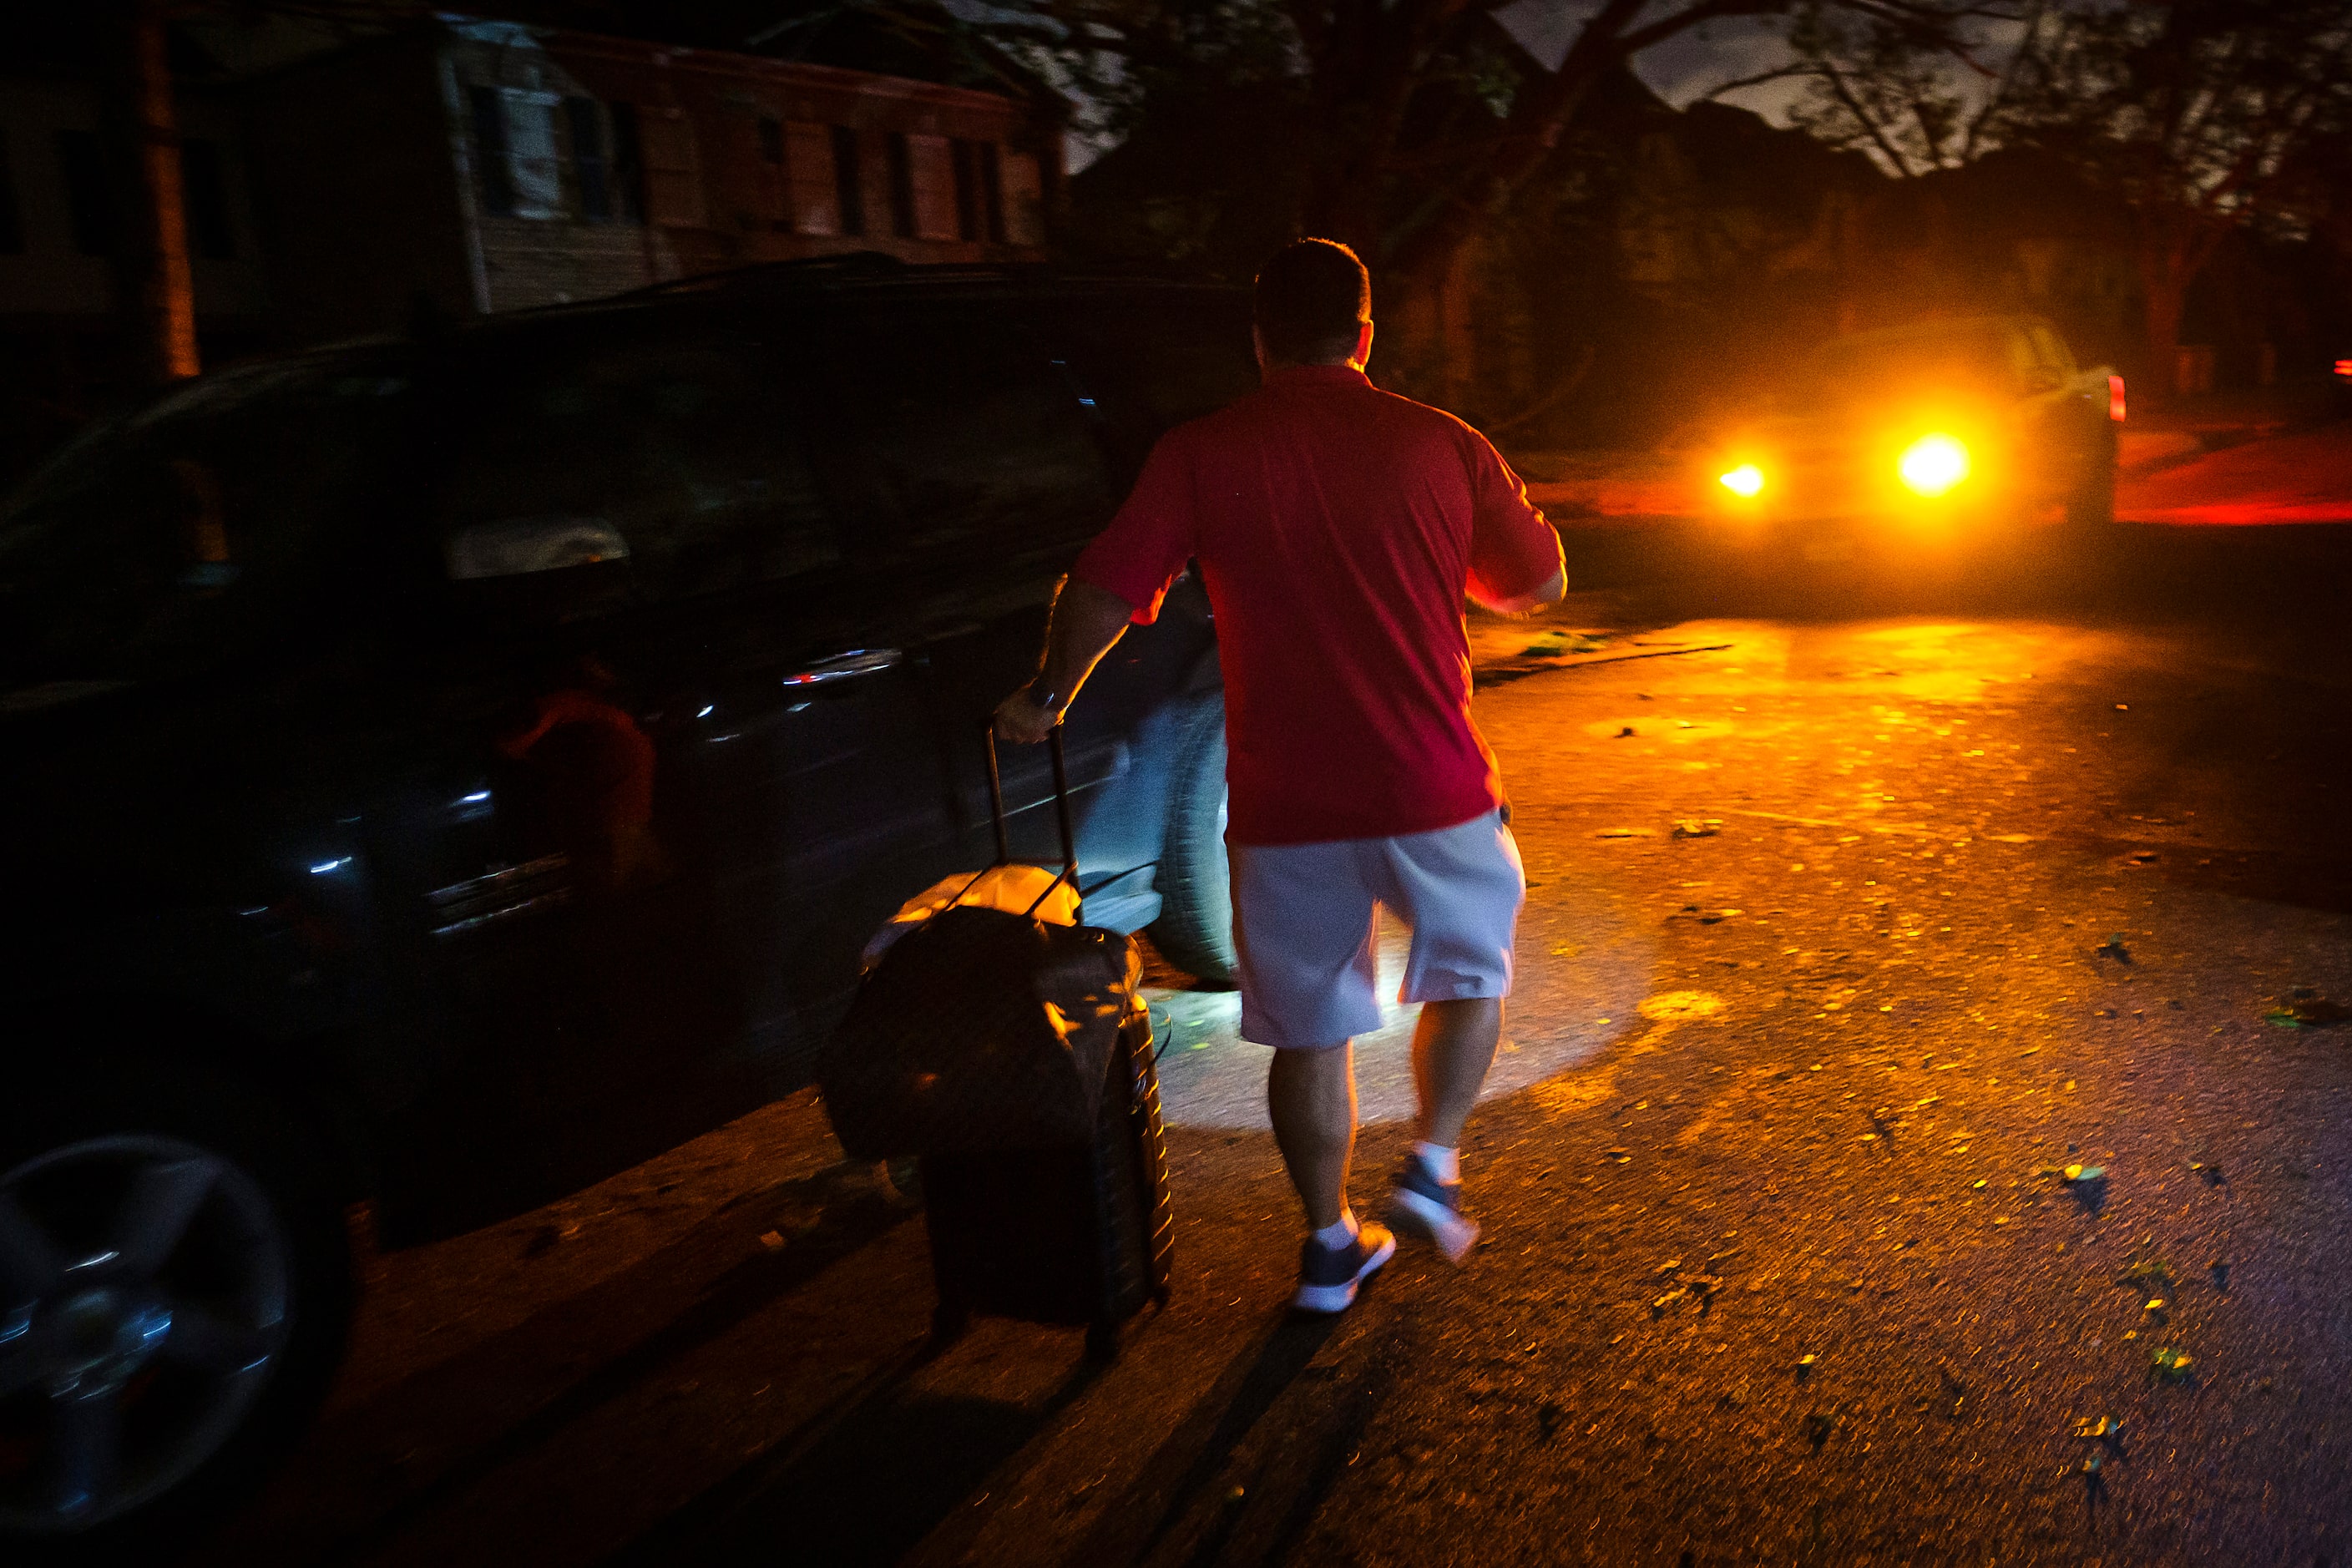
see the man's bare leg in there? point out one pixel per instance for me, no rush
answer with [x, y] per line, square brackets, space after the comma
[1452, 1047]
[1311, 1096]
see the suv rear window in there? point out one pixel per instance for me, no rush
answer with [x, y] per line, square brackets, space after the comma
[150, 539]
[685, 439]
[967, 437]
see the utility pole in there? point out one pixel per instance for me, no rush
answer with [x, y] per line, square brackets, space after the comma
[157, 288]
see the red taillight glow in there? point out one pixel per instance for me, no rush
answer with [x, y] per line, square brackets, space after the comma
[2115, 399]
[2344, 369]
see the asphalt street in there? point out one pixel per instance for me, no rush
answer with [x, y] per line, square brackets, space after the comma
[1888, 1102]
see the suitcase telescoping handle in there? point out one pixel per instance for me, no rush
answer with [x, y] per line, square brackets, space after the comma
[1061, 802]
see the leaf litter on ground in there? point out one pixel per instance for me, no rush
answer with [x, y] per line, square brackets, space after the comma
[1558, 644]
[2305, 1009]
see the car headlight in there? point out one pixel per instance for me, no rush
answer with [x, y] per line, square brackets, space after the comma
[1932, 464]
[1746, 480]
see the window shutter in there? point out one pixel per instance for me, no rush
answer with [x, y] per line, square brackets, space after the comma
[673, 169]
[931, 164]
[1025, 198]
[811, 187]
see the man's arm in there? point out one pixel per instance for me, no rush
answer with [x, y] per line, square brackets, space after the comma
[1086, 621]
[1517, 562]
[1551, 592]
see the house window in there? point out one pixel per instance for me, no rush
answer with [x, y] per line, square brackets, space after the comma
[991, 195]
[490, 149]
[591, 169]
[90, 196]
[12, 218]
[628, 166]
[848, 184]
[964, 157]
[902, 187]
[771, 140]
[530, 143]
[204, 194]
[514, 134]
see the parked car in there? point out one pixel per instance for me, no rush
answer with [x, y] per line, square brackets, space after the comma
[1943, 426]
[442, 773]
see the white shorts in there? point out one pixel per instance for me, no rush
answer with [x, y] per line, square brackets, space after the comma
[1305, 916]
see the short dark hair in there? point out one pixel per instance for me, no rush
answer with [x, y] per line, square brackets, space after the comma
[1312, 297]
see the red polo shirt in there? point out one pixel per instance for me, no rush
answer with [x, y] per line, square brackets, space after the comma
[1336, 528]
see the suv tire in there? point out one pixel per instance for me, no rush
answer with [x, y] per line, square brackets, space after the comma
[176, 1255]
[1195, 927]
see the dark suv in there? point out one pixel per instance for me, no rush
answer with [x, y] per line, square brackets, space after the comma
[442, 773]
[1952, 429]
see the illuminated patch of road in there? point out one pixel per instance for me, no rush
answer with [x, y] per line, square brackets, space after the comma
[1584, 968]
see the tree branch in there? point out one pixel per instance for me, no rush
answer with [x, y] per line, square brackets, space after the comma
[1862, 118]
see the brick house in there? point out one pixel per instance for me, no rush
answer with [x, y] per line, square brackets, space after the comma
[489, 166]
[337, 187]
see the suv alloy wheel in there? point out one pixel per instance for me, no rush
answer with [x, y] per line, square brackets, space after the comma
[171, 1306]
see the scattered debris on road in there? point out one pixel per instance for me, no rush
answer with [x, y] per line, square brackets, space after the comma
[1698, 827]
[2305, 1009]
[1553, 643]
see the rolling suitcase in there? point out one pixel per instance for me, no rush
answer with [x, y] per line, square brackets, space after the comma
[1011, 1054]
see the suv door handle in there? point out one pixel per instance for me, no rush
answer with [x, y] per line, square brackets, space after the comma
[845, 666]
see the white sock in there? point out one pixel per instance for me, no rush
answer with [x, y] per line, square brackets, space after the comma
[1339, 1232]
[1444, 1164]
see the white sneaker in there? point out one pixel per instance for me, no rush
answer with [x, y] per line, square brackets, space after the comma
[1327, 1276]
[1426, 1206]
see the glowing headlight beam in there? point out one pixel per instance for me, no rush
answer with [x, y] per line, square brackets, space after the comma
[1746, 480]
[1932, 464]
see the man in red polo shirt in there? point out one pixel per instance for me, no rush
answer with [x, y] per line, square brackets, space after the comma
[1338, 528]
